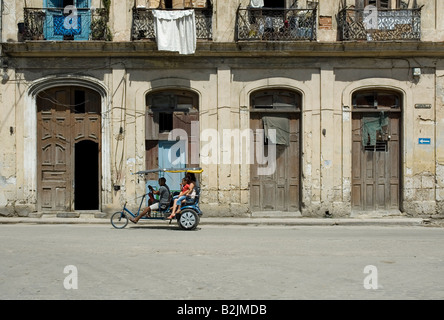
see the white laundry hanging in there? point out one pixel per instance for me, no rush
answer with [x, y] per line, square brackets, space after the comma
[175, 30]
[256, 3]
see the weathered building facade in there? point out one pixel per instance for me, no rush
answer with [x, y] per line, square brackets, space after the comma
[87, 100]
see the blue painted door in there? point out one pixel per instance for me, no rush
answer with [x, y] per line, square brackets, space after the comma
[76, 24]
[172, 154]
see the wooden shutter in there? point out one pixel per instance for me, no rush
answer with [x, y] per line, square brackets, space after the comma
[54, 162]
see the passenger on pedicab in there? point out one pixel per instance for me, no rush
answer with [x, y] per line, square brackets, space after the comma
[188, 190]
[163, 192]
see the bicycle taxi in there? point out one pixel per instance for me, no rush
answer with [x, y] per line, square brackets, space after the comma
[188, 218]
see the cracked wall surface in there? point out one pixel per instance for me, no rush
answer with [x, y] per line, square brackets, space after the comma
[326, 82]
[325, 159]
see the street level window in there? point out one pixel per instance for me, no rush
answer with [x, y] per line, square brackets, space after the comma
[376, 100]
[168, 110]
[282, 100]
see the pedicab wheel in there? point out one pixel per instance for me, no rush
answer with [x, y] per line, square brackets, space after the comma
[119, 220]
[188, 219]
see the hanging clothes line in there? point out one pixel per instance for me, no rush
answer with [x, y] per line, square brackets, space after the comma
[371, 125]
[281, 125]
[175, 30]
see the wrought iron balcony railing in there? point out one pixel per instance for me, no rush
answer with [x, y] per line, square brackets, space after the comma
[143, 24]
[276, 24]
[53, 24]
[390, 25]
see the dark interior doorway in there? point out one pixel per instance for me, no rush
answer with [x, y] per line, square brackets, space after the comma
[86, 188]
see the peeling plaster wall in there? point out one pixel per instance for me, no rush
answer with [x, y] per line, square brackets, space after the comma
[418, 161]
[223, 87]
[419, 177]
[8, 136]
[18, 163]
[440, 138]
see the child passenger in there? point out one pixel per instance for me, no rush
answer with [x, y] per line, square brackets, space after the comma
[187, 188]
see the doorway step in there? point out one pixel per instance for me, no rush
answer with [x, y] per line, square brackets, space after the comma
[275, 214]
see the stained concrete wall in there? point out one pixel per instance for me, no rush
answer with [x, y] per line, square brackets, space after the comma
[8, 136]
[418, 169]
[439, 137]
[224, 85]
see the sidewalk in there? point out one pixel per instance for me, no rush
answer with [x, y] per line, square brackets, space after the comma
[297, 221]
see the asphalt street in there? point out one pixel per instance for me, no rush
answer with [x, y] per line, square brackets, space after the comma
[156, 262]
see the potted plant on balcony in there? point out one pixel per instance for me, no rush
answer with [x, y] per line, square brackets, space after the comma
[99, 24]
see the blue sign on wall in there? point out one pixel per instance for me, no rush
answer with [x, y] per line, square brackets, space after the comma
[424, 140]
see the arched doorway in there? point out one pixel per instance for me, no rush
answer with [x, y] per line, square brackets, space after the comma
[168, 110]
[280, 110]
[376, 150]
[66, 116]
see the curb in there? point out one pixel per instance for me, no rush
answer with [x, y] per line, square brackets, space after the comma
[299, 221]
[316, 221]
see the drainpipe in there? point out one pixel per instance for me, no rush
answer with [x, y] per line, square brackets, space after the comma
[1, 31]
[1, 22]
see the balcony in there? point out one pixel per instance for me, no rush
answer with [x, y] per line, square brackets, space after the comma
[143, 24]
[53, 24]
[276, 24]
[392, 25]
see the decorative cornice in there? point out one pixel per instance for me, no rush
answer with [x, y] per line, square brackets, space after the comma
[226, 49]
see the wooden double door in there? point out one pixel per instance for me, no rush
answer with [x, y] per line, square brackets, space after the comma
[68, 150]
[279, 190]
[376, 167]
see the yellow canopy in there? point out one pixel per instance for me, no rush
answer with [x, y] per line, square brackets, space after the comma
[172, 170]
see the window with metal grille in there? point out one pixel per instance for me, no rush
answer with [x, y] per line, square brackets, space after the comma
[276, 99]
[163, 107]
[376, 100]
[381, 146]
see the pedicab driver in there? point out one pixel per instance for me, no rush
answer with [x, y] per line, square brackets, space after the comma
[164, 200]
